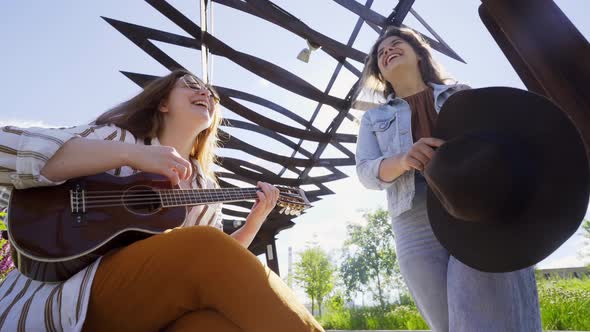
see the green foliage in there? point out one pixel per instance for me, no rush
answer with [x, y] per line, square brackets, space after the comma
[565, 304]
[369, 259]
[407, 317]
[6, 264]
[2, 225]
[315, 274]
[584, 252]
[398, 317]
[406, 299]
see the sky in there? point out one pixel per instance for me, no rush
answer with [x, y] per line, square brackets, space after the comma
[60, 62]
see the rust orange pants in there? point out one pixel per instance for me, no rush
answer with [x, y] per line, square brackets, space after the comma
[191, 279]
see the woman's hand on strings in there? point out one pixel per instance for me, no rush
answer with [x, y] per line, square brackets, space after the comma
[268, 196]
[163, 160]
[420, 153]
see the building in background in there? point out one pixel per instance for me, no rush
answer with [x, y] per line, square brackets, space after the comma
[564, 273]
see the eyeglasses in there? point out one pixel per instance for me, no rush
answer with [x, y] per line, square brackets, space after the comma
[194, 83]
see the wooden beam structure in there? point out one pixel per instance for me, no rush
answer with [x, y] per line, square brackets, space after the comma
[547, 51]
[296, 167]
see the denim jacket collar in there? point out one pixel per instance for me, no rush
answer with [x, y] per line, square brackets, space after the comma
[438, 89]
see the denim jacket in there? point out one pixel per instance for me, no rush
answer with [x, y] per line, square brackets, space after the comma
[386, 131]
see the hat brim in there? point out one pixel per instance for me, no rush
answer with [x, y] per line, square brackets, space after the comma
[560, 196]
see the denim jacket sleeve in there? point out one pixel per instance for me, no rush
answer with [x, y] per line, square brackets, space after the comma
[369, 157]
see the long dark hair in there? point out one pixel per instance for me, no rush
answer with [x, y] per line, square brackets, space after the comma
[141, 116]
[430, 70]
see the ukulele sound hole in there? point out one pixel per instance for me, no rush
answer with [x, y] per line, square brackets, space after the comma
[142, 200]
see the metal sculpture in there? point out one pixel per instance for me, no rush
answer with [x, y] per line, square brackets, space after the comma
[297, 166]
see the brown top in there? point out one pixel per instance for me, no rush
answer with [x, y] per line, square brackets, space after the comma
[423, 113]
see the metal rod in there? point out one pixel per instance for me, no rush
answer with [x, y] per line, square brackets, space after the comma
[204, 48]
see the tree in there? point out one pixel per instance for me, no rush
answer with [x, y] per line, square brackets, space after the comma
[315, 274]
[369, 259]
[584, 252]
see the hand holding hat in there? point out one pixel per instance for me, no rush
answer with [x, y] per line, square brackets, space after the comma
[511, 183]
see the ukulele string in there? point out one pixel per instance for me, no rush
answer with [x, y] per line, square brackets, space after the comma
[166, 197]
[171, 190]
[174, 199]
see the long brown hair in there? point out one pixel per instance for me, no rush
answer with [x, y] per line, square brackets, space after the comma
[430, 69]
[141, 116]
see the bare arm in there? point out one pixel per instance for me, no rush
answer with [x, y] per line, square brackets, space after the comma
[34, 157]
[245, 235]
[267, 200]
[82, 157]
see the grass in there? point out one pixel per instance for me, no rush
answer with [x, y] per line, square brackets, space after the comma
[401, 317]
[565, 305]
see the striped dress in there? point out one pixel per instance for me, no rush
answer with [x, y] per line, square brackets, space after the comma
[30, 305]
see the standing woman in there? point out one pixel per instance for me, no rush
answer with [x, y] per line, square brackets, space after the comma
[394, 146]
[189, 279]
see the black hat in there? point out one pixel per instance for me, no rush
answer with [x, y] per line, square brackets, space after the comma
[511, 182]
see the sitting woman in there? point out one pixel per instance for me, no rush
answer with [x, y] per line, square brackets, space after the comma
[192, 278]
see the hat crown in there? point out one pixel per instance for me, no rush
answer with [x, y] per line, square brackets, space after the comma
[482, 177]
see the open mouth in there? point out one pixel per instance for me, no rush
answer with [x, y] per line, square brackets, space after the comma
[200, 103]
[391, 57]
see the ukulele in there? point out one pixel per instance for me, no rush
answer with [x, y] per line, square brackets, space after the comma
[54, 232]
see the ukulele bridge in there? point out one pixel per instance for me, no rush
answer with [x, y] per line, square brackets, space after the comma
[78, 202]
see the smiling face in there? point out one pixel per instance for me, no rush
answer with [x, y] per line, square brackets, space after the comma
[190, 105]
[395, 54]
